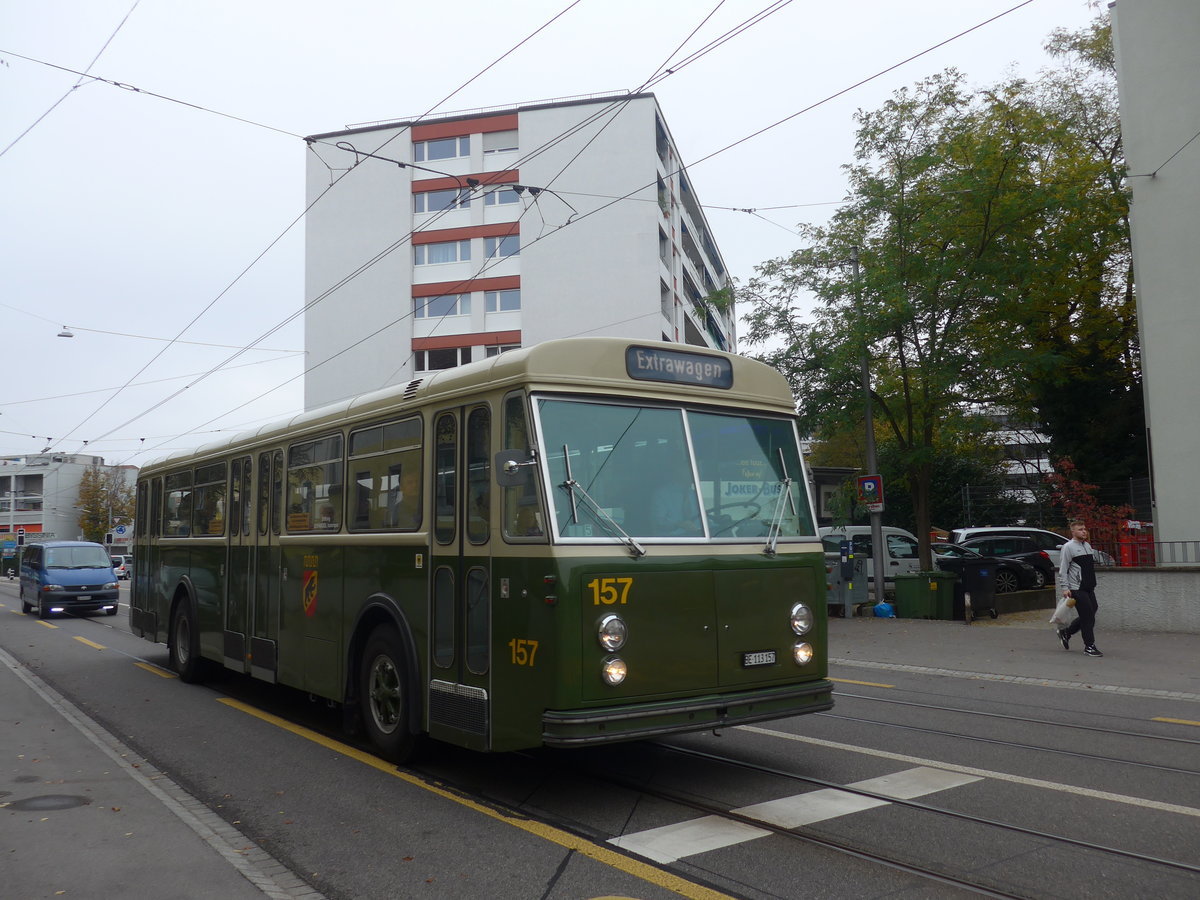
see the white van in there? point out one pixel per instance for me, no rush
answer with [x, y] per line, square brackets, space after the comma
[900, 546]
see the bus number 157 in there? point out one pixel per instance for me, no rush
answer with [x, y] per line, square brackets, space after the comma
[608, 591]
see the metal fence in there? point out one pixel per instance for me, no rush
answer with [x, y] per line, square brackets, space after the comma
[1141, 552]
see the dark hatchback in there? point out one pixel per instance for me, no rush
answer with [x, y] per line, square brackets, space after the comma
[1015, 547]
[1011, 574]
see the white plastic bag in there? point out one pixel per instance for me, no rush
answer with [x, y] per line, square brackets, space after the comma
[1064, 615]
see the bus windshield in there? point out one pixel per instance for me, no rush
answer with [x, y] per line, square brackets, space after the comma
[663, 472]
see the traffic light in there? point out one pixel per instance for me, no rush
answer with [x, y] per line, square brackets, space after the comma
[108, 537]
[20, 537]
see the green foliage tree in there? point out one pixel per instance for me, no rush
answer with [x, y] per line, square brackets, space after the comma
[105, 499]
[988, 225]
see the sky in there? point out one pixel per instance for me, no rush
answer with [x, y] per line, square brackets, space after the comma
[170, 207]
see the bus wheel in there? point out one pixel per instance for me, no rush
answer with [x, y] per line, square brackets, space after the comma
[385, 696]
[185, 644]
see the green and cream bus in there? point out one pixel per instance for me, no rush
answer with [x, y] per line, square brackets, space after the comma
[584, 541]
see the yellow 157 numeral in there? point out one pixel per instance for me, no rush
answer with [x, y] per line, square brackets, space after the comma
[523, 652]
[608, 591]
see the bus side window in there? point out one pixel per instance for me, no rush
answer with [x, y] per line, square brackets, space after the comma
[522, 512]
[479, 475]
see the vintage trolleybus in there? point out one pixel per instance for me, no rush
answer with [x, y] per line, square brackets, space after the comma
[585, 541]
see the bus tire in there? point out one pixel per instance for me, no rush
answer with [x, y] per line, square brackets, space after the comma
[185, 644]
[386, 694]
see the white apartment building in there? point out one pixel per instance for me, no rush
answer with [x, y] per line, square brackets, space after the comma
[437, 242]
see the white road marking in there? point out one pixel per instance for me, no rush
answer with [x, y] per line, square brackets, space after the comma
[981, 773]
[670, 842]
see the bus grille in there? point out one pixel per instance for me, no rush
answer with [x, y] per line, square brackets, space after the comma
[459, 706]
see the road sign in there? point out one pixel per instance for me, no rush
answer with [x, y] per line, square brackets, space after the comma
[870, 492]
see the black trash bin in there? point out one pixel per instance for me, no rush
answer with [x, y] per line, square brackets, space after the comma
[977, 578]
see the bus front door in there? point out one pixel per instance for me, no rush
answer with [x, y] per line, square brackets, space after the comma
[266, 567]
[461, 595]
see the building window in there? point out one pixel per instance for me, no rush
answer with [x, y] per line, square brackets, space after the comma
[510, 245]
[497, 349]
[443, 148]
[432, 360]
[436, 201]
[502, 301]
[445, 252]
[500, 195]
[499, 141]
[445, 305]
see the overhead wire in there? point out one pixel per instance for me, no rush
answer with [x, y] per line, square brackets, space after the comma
[82, 76]
[299, 218]
[711, 155]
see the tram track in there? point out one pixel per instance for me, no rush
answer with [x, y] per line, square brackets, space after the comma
[1016, 745]
[1029, 720]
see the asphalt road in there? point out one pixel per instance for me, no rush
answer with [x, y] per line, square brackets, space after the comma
[633, 820]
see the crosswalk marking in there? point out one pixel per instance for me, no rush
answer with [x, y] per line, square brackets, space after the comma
[671, 842]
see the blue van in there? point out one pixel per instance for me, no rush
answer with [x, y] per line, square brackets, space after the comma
[67, 576]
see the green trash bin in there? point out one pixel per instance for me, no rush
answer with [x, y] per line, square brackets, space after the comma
[941, 589]
[914, 599]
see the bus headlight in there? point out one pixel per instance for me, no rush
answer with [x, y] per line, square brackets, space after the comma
[111, 586]
[802, 618]
[52, 588]
[802, 653]
[614, 670]
[612, 632]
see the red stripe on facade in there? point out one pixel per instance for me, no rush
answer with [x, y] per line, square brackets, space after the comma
[440, 288]
[459, 127]
[507, 176]
[500, 229]
[479, 339]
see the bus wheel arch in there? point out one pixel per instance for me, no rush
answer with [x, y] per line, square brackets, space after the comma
[382, 689]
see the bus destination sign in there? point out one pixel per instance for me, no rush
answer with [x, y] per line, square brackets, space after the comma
[677, 367]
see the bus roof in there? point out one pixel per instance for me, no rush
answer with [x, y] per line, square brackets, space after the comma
[594, 365]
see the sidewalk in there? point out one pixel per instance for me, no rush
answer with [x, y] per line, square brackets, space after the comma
[82, 815]
[1020, 646]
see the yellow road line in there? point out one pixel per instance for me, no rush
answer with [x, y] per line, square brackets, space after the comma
[92, 644]
[47, 624]
[644, 871]
[157, 670]
[1176, 721]
[864, 683]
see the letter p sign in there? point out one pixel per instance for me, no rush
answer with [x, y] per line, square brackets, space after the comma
[870, 492]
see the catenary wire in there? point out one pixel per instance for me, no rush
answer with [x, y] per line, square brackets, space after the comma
[74, 87]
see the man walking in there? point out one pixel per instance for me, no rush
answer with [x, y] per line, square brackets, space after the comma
[1077, 575]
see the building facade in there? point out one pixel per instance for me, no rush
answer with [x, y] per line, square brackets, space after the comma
[434, 243]
[1158, 68]
[40, 494]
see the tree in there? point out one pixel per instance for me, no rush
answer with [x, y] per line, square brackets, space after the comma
[1077, 500]
[987, 229]
[105, 499]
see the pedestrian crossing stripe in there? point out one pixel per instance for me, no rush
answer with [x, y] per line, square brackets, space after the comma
[672, 842]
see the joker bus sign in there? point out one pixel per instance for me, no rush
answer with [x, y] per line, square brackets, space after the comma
[870, 492]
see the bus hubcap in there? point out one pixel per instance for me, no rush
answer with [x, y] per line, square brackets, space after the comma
[384, 690]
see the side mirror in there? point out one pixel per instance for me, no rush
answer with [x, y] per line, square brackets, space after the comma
[513, 467]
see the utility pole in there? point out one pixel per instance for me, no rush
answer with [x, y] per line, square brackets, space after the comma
[877, 554]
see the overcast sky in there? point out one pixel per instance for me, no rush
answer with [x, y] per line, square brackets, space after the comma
[127, 217]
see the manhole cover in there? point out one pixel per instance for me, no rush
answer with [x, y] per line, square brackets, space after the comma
[48, 802]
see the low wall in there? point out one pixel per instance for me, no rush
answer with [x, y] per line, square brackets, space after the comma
[1166, 598]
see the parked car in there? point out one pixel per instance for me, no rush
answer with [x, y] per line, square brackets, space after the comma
[122, 565]
[1011, 574]
[900, 547]
[1049, 541]
[1016, 547]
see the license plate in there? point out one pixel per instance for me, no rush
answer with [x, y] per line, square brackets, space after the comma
[759, 658]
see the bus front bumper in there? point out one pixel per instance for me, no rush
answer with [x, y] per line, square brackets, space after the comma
[631, 722]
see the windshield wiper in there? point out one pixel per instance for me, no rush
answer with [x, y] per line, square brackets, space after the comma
[777, 518]
[597, 510]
